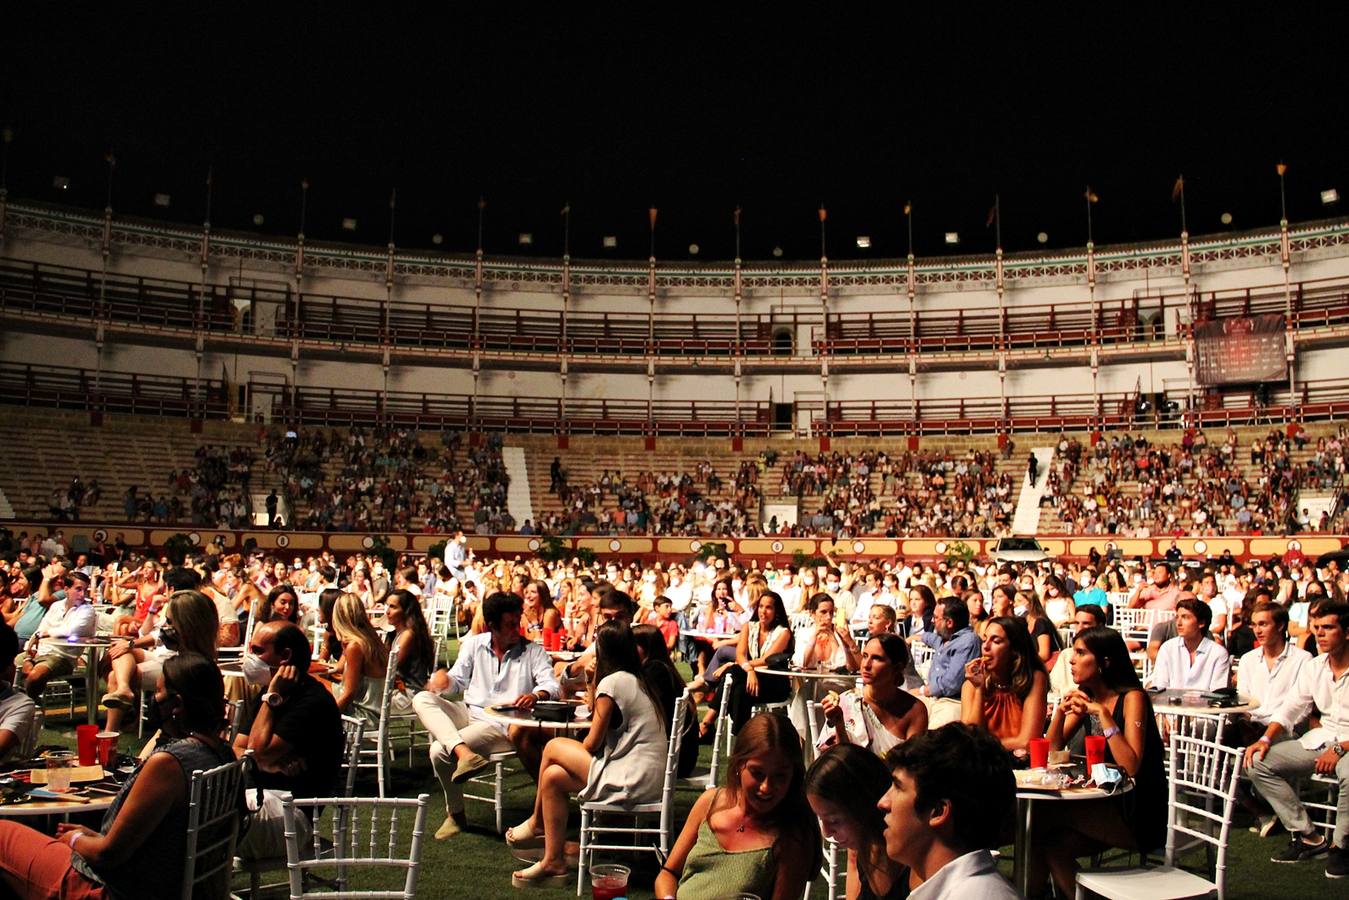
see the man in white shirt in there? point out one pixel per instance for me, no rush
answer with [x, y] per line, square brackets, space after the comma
[49, 654]
[1190, 660]
[862, 610]
[495, 667]
[1269, 673]
[16, 708]
[950, 791]
[1276, 761]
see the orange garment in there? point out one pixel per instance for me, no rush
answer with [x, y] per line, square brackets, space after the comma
[1002, 712]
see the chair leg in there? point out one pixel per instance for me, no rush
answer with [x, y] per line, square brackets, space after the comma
[581, 859]
[497, 792]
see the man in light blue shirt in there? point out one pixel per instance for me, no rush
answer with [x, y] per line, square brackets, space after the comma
[955, 644]
[494, 668]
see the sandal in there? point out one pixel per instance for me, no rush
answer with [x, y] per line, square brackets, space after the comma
[523, 835]
[536, 876]
[119, 700]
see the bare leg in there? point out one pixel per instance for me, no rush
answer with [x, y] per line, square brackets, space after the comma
[529, 744]
[564, 770]
[123, 678]
[1062, 835]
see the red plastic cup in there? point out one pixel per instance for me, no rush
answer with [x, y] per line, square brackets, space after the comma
[107, 747]
[549, 639]
[1095, 750]
[86, 743]
[1039, 753]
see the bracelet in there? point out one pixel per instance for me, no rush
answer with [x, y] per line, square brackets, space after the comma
[1110, 732]
[74, 835]
[1264, 739]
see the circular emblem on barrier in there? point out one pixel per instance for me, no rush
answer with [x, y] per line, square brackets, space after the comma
[367, 542]
[615, 545]
[940, 547]
[776, 546]
[1201, 546]
[194, 538]
[100, 534]
[534, 544]
[1294, 545]
[695, 546]
[858, 546]
[283, 541]
[1111, 545]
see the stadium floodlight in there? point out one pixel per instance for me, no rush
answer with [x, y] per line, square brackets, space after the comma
[693, 249]
[61, 182]
[1042, 237]
[526, 239]
[863, 242]
[777, 252]
[348, 224]
[1330, 197]
[258, 219]
[163, 200]
[1225, 218]
[437, 238]
[610, 241]
[953, 237]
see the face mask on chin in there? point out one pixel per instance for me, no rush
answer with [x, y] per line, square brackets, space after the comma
[256, 671]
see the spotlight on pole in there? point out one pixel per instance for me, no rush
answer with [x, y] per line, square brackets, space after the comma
[61, 182]
[1330, 197]
[526, 239]
[777, 252]
[863, 242]
[610, 241]
[348, 224]
[258, 219]
[1042, 237]
[1225, 218]
[693, 249]
[437, 238]
[953, 237]
[163, 200]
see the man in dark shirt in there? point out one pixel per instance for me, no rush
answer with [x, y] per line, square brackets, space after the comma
[296, 738]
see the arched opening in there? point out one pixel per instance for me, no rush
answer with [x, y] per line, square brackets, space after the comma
[783, 341]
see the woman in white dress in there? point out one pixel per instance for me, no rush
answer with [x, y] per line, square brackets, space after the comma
[621, 761]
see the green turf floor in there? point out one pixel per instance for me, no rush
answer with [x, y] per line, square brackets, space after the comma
[476, 863]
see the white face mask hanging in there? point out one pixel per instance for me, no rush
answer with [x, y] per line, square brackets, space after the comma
[256, 671]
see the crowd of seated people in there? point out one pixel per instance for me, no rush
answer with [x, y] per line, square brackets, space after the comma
[992, 660]
[65, 504]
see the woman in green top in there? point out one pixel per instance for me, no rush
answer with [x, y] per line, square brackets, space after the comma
[757, 834]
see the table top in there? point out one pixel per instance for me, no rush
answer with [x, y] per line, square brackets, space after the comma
[811, 673]
[54, 807]
[96, 641]
[523, 717]
[1189, 703]
[1025, 791]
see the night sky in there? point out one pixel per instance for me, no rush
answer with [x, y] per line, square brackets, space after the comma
[693, 109]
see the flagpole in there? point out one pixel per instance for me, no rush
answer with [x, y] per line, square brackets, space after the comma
[1286, 259]
[1095, 311]
[651, 213]
[6, 138]
[911, 285]
[737, 348]
[386, 339]
[824, 318]
[477, 315]
[1002, 309]
[201, 292]
[299, 300]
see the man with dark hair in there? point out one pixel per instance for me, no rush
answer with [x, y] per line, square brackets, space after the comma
[296, 736]
[950, 792]
[66, 620]
[1061, 676]
[495, 667]
[1191, 660]
[955, 644]
[16, 708]
[1277, 760]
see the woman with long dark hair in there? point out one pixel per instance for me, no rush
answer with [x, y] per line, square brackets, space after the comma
[668, 684]
[756, 834]
[139, 850]
[621, 761]
[843, 787]
[412, 637]
[1109, 701]
[883, 715]
[1006, 689]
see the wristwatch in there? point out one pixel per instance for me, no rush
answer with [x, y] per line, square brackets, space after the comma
[272, 698]
[1338, 748]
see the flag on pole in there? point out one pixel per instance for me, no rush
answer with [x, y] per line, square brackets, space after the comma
[566, 209]
[1178, 189]
[992, 216]
[651, 214]
[908, 207]
[393, 198]
[1091, 195]
[737, 216]
[1281, 169]
[823, 213]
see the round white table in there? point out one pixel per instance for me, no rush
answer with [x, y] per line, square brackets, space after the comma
[94, 645]
[525, 718]
[61, 808]
[1029, 794]
[1188, 713]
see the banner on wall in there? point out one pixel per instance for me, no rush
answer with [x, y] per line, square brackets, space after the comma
[1240, 350]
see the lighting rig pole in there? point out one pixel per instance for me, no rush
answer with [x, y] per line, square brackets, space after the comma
[1178, 192]
[1000, 287]
[1286, 259]
[738, 347]
[824, 318]
[292, 418]
[200, 329]
[912, 290]
[6, 138]
[106, 252]
[386, 337]
[565, 348]
[651, 332]
[477, 308]
[1095, 311]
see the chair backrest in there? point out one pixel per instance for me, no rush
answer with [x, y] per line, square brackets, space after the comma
[368, 833]
[1203, 792]
[236, 709]
[814, 721]
[213, 812]
[353, 730]
[679, 718]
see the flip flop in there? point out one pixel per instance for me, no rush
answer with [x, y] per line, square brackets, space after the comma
[534, 876]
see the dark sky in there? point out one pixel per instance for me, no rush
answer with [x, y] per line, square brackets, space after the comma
[694, 109]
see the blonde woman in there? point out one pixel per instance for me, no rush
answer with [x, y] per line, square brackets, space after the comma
[364, 660]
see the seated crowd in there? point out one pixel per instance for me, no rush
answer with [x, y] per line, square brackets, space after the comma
[936, 680]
